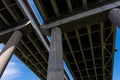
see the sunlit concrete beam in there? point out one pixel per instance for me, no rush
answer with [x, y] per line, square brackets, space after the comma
[35, 27]
[8, 50]
[22, 25]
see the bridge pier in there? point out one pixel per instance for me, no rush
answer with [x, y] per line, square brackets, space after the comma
[7, 52]
[114, 16]
[55, 63]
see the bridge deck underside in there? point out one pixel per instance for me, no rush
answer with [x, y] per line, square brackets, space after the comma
[52, 10]
[88, 52]
[88, 48]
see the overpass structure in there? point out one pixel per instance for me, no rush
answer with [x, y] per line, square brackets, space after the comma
[83, 35]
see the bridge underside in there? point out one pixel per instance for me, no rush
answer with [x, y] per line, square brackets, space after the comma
[88, 43]
[88, 52]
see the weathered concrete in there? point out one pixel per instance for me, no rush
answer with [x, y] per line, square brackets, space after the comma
[22, 25]
[114, 16]
[7, 52]
[82, 15]
[33, 22]
[55, 64]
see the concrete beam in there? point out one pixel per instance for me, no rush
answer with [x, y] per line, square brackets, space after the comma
[12, 12]
[92, 51]
[55, 63]
[36, 28]
[84, 3]
[101, 0]
[102, 48]
[82, 52]
[69, 5]
[15, 28]
[55, 7]
[41, 9]
[82, 15]
[7, 52]
[11, 5]
[114, 16]
[74, 58]
[4, 19]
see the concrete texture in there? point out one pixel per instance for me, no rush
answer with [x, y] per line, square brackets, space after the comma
[82, 15]
[114, 16]
[7, 52]
[55, 64]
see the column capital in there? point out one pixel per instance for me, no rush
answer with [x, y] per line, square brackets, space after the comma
[114, 16]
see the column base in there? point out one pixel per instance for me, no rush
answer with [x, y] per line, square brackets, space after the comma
[55, 76]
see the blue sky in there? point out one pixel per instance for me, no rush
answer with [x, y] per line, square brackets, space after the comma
[116, 70]
[16, 70]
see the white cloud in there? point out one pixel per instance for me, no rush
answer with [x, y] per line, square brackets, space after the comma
[12, 71]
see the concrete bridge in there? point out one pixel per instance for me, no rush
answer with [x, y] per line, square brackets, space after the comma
[83, 35]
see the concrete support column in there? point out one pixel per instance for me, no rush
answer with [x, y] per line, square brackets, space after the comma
[55, 63]
[7, 52]
[114, 16]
